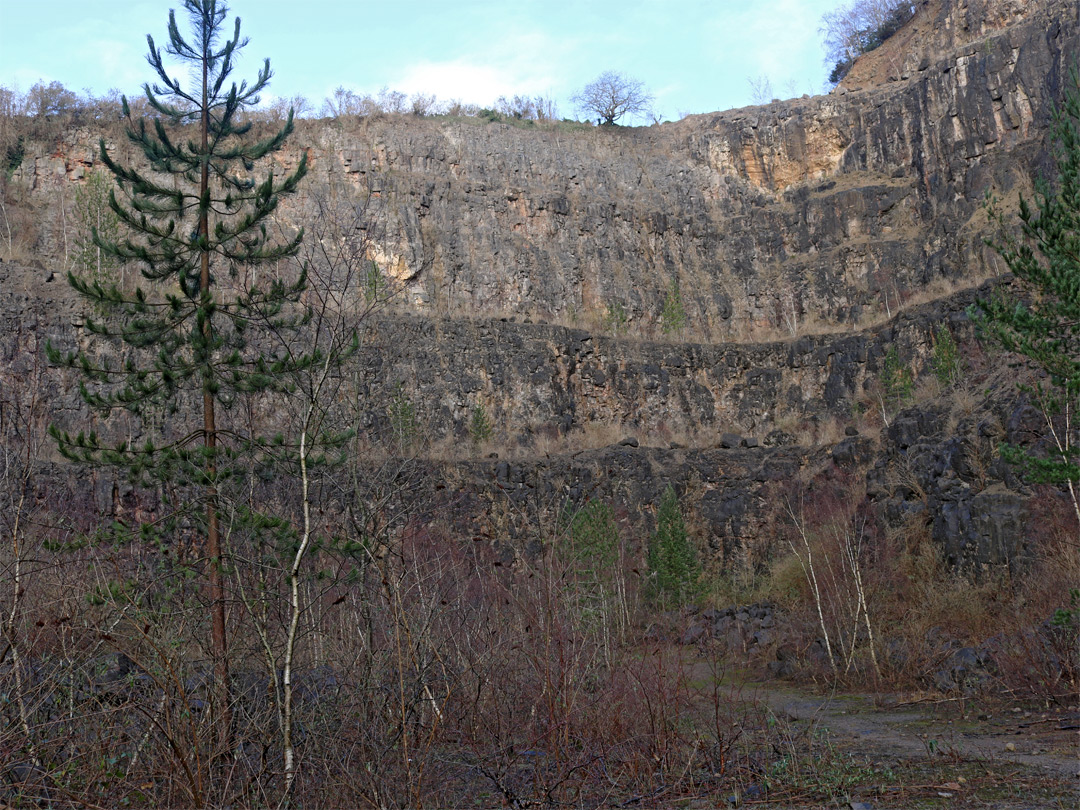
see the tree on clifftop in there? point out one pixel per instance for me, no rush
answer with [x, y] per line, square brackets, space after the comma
[611, 96]
[859, 27]
[197, 225]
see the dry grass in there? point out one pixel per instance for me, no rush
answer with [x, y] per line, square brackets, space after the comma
[964, 402]
[901, 477]
[921, 609]
[545, 441]
[739, 329]
[595, 435]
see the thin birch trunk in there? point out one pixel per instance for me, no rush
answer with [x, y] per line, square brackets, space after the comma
[12, 634]
[295, 610]
[811, 577]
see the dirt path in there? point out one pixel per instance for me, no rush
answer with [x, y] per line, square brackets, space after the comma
[1048, 740]
[912, 752]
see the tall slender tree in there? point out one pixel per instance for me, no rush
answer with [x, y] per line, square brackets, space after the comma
[196, 217]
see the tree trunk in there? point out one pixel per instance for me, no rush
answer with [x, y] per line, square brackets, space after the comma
[213, 537]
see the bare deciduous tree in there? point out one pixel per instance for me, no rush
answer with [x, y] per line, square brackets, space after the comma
[761, 91]
[340, 103]
[862, 26]
[344, 102]
[44, 100]
[21, 429]
[612, 96]
[278, 109]
[424, 104]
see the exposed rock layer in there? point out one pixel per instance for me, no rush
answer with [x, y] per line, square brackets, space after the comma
[827, 212]
[817, 209]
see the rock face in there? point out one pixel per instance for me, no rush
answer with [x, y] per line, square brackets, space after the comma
[794, 233]
[824, 209]
[545, 380]
[726, 491]
[940, 28]
[943, 469]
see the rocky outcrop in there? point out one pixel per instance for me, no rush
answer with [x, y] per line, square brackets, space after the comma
[941, 28]
[797, 234]
[510, 504]
[942, 469]
[552, 381]
[819, 210]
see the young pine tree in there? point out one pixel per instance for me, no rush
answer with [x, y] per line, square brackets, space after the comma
[196, 218]
[1041, 319]
[674, 569]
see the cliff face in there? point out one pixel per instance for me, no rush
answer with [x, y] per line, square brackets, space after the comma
[821, 208]
[794, 232]
[552, 381]
[817, 208]
[941, 29]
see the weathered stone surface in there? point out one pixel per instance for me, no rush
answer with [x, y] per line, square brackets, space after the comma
[812, 219]
[500, 502]
[854, 451]
[743, 629]
[541, 380]
[951, 477]
[822, 210]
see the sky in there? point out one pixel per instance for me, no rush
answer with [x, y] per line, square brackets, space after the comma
[693, 56]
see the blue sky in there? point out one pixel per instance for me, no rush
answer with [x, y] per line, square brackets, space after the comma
[693, 55]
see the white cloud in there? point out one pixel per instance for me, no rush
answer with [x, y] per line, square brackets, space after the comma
[519, 60]
[471, 82]
[119, 63]
[476, 84]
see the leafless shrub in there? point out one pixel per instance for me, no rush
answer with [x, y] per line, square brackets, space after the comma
[456, 108]
[278, 110]
[527, 108]
[344, 102]
[424, 104]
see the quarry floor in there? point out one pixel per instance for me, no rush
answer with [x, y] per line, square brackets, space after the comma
[923, 751]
